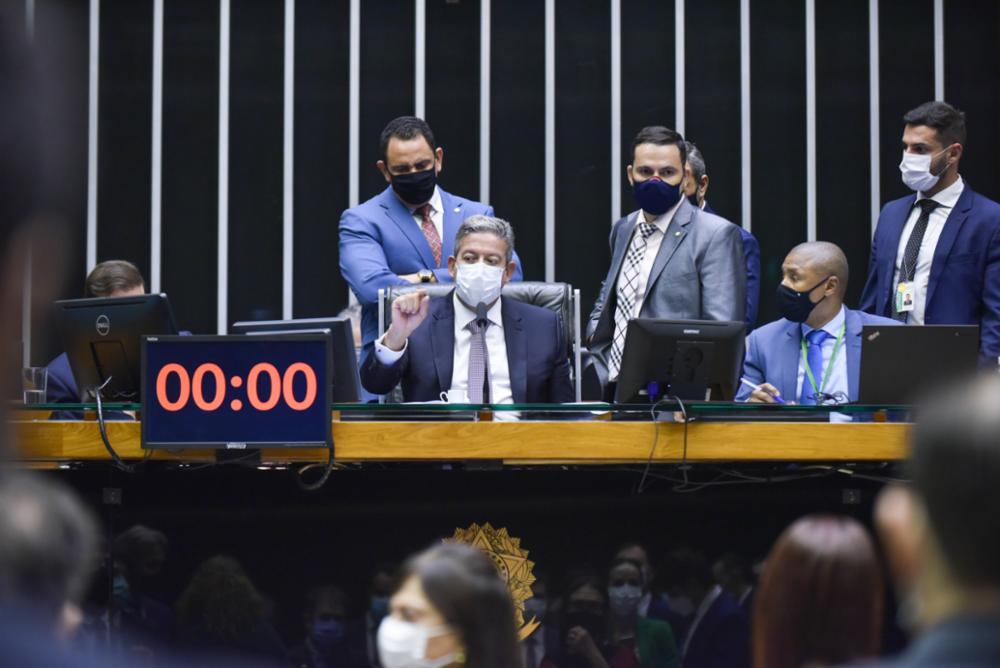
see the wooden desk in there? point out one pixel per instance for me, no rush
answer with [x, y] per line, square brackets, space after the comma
[597, 442]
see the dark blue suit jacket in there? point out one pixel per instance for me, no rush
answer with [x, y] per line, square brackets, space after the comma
[966, 641]
[721, 639]
[536, 356]
[751, 252]
[773, 353]
[964, 286]
[379, 241]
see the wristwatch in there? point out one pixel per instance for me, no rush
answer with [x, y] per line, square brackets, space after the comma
[425, 276]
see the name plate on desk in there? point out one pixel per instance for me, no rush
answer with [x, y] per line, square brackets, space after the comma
[236, 392]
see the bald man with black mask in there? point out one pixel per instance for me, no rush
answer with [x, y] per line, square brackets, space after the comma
[813, 354]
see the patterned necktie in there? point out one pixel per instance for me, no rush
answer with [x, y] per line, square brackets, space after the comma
[479, 363]
[628, 281]
[908, 267]
[430, 232]
[814, 355]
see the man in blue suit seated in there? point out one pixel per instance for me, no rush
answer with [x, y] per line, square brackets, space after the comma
[935, 256]
[404, 234]
[475, 346]
[114, 278]
[814, 351]
[696, 190]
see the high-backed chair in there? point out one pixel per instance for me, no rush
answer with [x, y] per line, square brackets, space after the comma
[558, 297]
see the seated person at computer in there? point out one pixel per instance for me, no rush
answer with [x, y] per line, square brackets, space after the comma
[814, 351]
[114, 278]
[474, 345]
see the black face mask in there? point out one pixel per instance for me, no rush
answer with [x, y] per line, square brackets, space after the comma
[796, 306]
[415, 188]
[693, 198]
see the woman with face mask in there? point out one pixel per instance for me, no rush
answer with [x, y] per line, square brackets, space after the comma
[634, 641]
[450, 608]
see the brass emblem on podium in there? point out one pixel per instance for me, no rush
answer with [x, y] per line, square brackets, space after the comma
[511, 561]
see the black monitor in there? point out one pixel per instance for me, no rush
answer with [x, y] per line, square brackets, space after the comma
[899, 364]
[690, 359]
[346, 382]
[101, 337]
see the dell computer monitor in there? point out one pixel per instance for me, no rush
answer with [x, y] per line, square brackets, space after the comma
[101, 337]
[900, 364]
[346, 382]
[688, 359]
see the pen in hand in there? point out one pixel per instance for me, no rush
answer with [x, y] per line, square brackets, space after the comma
[776, 398]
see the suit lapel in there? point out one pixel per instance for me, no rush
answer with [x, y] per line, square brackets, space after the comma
[443, 340]
[400, 215]
[788, 361]
[672, 238]
[517, 356]
[949, 232]
[623, 239]
[894, 232]
[853, 336]
[452, 217]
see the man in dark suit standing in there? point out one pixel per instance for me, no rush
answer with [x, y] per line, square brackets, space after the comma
[474, 346]
[404, 234]
[668, 259]
[696, 191]
[935, 256]
[941, 532]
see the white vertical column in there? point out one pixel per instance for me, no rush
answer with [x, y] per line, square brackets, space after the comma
[679, 67]
[288, 192]
[223, 262]
[95, 51]
[873, 112]
[939, 49]
[616, 110]
[420, 58]
[485, 38]
[810, 120]
[550, 140]
[745, 109]
[156, 187]
[354, 106]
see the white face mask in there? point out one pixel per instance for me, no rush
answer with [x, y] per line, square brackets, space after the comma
[916, 171]
[624, 599]
[478, 282]
[403, 644]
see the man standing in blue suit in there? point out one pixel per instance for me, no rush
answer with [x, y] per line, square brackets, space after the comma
[935, 256]
[405, 233]
[696, 190]
[814, 351]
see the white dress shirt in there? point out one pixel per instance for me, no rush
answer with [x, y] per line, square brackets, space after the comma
[946, 200]
[838, 374]
[437, 217]
[652, 249]
[496, 344]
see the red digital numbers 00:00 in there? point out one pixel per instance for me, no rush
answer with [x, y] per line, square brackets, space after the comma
[192, 387]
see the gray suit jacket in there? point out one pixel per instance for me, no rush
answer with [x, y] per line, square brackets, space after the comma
[699, 274]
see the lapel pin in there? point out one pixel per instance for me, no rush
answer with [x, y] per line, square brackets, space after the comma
[457, 209]
[677, 234]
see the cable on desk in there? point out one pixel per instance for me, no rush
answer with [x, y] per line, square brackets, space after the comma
[641, 486]
[116, 460]
[312, 487]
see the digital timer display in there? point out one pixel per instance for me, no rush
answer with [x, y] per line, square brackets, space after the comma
[235, 391]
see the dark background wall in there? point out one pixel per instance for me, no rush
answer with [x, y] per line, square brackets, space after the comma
[583, 79]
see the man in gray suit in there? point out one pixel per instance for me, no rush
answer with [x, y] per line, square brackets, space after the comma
[668, 259]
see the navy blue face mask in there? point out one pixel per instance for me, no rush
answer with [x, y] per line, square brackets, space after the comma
[415, 188]
[656, 196]
[796, 306]
[693, 199]
[327, 634]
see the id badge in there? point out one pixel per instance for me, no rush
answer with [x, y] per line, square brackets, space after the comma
[904, 297]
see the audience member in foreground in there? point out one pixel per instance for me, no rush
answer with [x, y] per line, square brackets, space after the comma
[451, 608]
[820, 598]
[942, 533]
